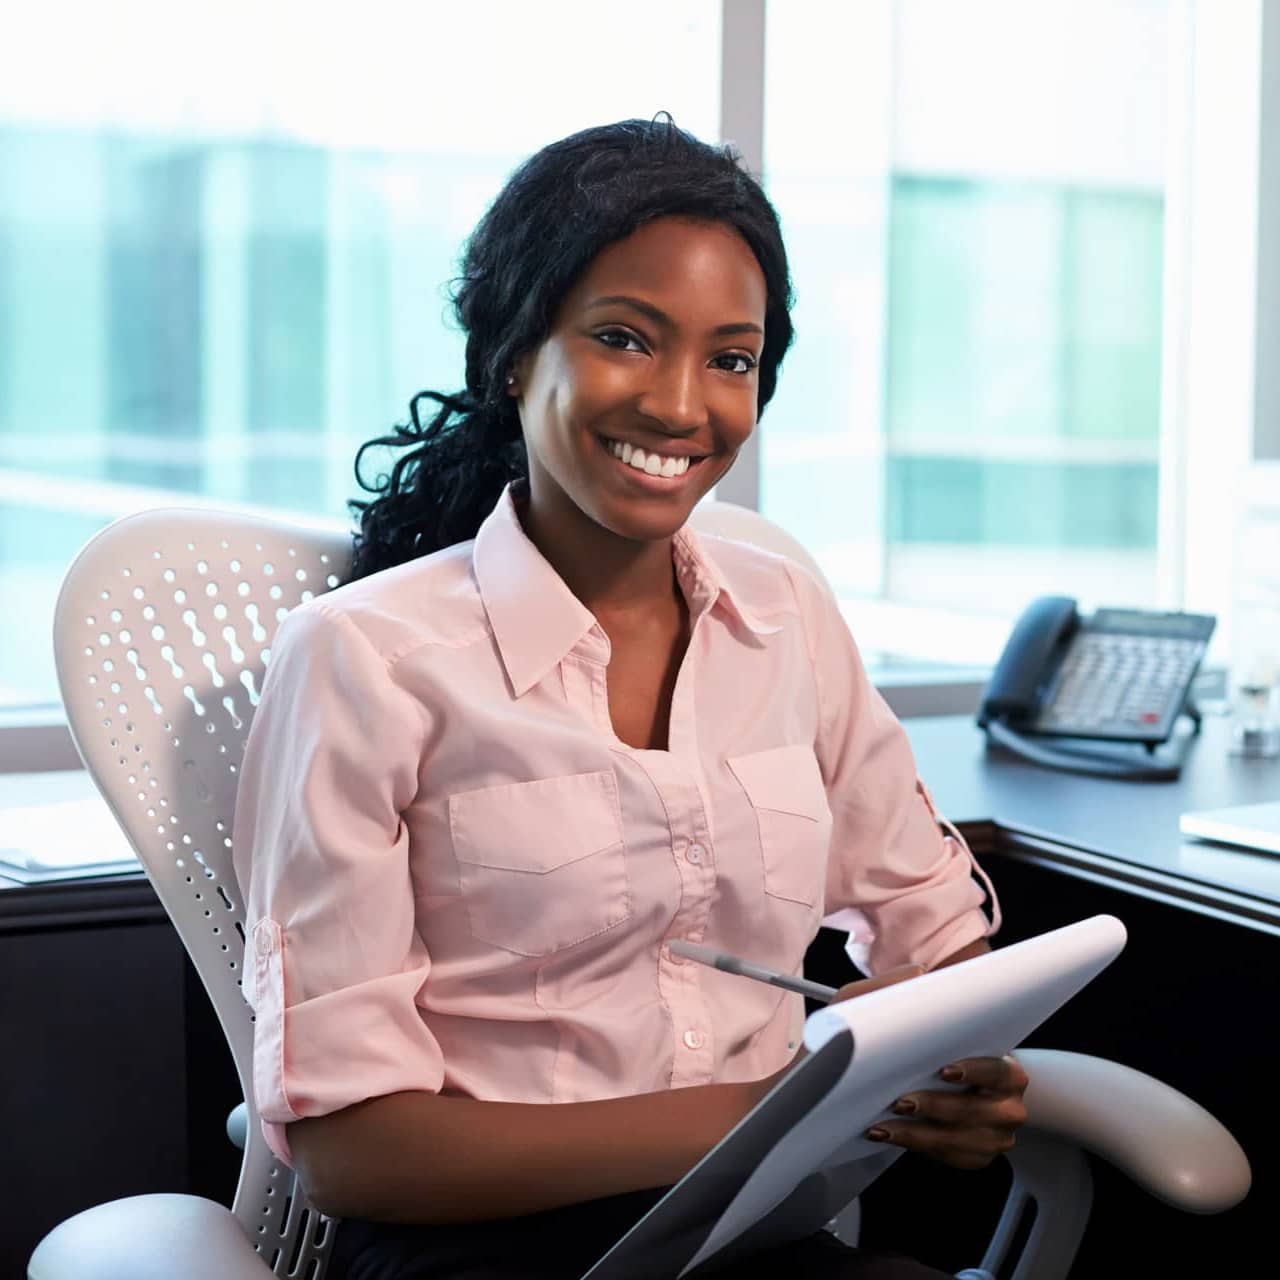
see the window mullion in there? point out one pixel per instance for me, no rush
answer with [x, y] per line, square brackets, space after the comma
[742, 56]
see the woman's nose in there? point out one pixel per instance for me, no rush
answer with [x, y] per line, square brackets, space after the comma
[674, 395]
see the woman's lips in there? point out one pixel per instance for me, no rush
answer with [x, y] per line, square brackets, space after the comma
[652, 483]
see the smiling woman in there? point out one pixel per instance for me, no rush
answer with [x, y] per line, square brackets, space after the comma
[621, 248]
[596, 732]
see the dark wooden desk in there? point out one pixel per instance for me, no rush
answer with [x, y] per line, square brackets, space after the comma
[1125, 830]
[1192, 1000]
[116, 1079]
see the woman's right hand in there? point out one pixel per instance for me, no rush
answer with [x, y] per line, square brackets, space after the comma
[890, 977]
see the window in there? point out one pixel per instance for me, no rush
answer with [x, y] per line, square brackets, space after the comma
[973, 196]
[226, 230]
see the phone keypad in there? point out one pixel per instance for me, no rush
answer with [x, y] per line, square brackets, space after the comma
[1119, 685]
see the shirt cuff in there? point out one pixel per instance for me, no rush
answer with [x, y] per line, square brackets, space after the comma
[322, 1054]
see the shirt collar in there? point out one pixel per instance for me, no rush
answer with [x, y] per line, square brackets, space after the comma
[706, 587]
[537, 620]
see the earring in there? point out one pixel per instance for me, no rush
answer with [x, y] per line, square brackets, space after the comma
[511, 379]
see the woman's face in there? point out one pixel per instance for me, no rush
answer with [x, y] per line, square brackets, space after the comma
[655, 348]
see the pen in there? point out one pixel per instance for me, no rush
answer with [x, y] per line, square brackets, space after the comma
[745, 969]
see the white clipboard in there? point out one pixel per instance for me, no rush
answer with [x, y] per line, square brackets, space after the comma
[799, 1157]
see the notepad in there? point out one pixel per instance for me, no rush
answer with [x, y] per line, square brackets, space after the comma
[62, 840]
[800, 1156]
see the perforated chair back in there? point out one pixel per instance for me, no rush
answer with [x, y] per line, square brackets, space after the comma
[162, 633]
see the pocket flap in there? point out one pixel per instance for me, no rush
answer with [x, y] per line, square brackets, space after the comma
[536, 826]
[785, 779]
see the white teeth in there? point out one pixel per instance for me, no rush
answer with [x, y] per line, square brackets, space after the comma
[653, 464]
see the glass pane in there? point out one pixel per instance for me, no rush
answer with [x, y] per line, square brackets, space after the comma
[220, 284]
[971, 414]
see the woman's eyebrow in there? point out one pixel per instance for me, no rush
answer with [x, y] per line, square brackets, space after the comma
[660, 317]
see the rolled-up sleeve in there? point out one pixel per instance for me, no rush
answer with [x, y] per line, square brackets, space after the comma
[333, 958]
[889, 860]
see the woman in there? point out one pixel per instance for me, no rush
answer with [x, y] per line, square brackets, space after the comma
[546, 730]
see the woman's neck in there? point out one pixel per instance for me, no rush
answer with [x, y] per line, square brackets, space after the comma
[612, 576]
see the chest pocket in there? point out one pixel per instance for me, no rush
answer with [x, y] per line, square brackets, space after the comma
[785, 788]
[541, 865]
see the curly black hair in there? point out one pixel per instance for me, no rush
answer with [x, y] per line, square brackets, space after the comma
[558, 210]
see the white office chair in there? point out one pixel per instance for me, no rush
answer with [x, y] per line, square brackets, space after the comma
[162, 632]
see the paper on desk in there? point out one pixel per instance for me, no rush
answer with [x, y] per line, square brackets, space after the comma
[902, 1036]
[63, 835]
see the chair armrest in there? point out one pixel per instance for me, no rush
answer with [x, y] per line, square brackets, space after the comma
[155, 1237]
[1170, 1146]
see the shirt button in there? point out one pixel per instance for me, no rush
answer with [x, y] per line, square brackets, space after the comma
[693, 1039]
[695, 854]
[265, 942]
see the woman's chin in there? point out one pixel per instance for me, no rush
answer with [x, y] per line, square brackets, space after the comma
[645, 517]
[654, 524]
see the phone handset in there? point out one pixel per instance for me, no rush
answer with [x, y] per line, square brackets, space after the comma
[1017, 684]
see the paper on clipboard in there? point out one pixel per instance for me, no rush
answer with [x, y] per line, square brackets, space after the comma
[902, 1036]
[799, 1157]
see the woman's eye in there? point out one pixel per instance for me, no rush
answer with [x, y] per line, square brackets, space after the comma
[619, 340]
[736, 362]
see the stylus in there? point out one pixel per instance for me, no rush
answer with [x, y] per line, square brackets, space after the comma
[745, 969]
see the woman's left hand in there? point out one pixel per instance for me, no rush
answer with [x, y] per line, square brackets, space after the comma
[965, 1129]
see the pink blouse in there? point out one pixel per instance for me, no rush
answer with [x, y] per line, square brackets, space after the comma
[457, 876]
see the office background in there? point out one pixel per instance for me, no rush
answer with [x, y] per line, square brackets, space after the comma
[226, 234]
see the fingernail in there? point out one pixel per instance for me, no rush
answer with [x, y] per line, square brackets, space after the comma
[952, 1075]
[877, 1134]
[905, 1107]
